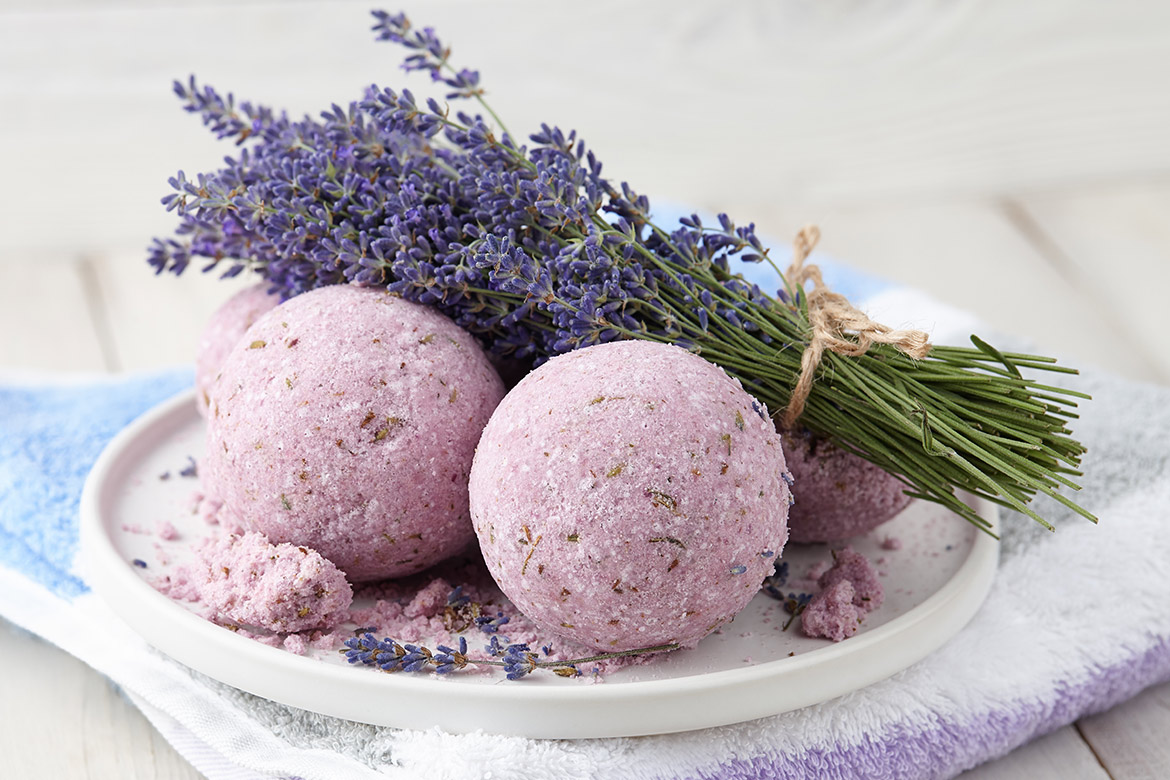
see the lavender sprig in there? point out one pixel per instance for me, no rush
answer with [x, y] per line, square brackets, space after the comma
[517, 660]
[534, 251]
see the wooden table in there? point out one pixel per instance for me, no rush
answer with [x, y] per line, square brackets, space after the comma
[1019, 174]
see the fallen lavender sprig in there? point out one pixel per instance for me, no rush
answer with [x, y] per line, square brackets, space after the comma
[191, 470]
[532, 250]
[794, 604]
[491, 625]
[517, 660]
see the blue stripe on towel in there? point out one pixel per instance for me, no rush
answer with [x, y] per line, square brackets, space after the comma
[50, 435]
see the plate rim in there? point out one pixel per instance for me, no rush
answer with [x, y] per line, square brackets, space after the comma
[610, 709]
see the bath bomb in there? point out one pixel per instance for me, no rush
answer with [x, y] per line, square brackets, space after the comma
[838, 494]
[223, 330]
[345, 420]
[628, 495]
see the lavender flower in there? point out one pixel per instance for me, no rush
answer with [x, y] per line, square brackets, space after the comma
[774, 582]
[448, 660]
[456, 598]
[531, 249]
[491, 625]
[191, 470]
[517, 660]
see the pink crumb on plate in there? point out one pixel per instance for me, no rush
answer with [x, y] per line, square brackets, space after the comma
[429, 601]
[868, 592]
[627, 495]
[221, 333]
[281, 588]
[850, 590]
[346, 420]
[166, 531]
[832, 614]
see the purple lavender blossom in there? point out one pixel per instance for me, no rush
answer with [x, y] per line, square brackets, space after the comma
[509, 241]
[528, 246]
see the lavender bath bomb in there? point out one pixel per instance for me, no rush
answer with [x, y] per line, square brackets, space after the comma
[223, 330]
[628, 495]
[838, 494]
[345, 420]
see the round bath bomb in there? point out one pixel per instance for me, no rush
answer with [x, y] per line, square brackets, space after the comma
[629, 495]
[838, 494]
[346, 420]
[223, 330]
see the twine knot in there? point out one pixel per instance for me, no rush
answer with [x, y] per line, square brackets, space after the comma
[837, 325]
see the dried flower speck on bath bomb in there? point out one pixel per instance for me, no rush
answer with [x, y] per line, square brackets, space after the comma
[345, 420]
[227, 326]
[630, 494]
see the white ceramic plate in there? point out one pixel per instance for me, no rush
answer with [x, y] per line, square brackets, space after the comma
[751, 668]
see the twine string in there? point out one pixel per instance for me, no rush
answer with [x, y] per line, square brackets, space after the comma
[837, 325]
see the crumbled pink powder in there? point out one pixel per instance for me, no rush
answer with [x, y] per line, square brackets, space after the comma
[325, 640]
[831, 613]
[280, 587]
[166, 530]
[161, 555]
[817, 569]
[850, 590]
[854, 567]
[297, 644]
[413, 609]
[429, 601]
[891, 543]
[134, 528]
[178, 585]
[272, 640]
[207, 507]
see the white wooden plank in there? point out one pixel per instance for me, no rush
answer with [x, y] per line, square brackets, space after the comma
[44, 314]
[788, 101]
[970, 255]
[1115, 241]
[156, 320]
[62, 719]
[1061, 755]
[1132, 740]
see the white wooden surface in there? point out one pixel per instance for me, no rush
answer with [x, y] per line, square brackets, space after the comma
[1009, 158]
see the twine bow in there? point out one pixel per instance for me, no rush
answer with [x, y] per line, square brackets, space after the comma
[837, 325]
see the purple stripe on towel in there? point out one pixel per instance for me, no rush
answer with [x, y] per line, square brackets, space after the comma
[945, 748]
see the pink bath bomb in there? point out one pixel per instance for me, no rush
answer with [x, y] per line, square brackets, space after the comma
[345, 420]
[628, 495]
[838, 494]
[225, 328]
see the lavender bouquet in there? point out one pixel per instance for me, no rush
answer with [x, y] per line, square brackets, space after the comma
[530, 248]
